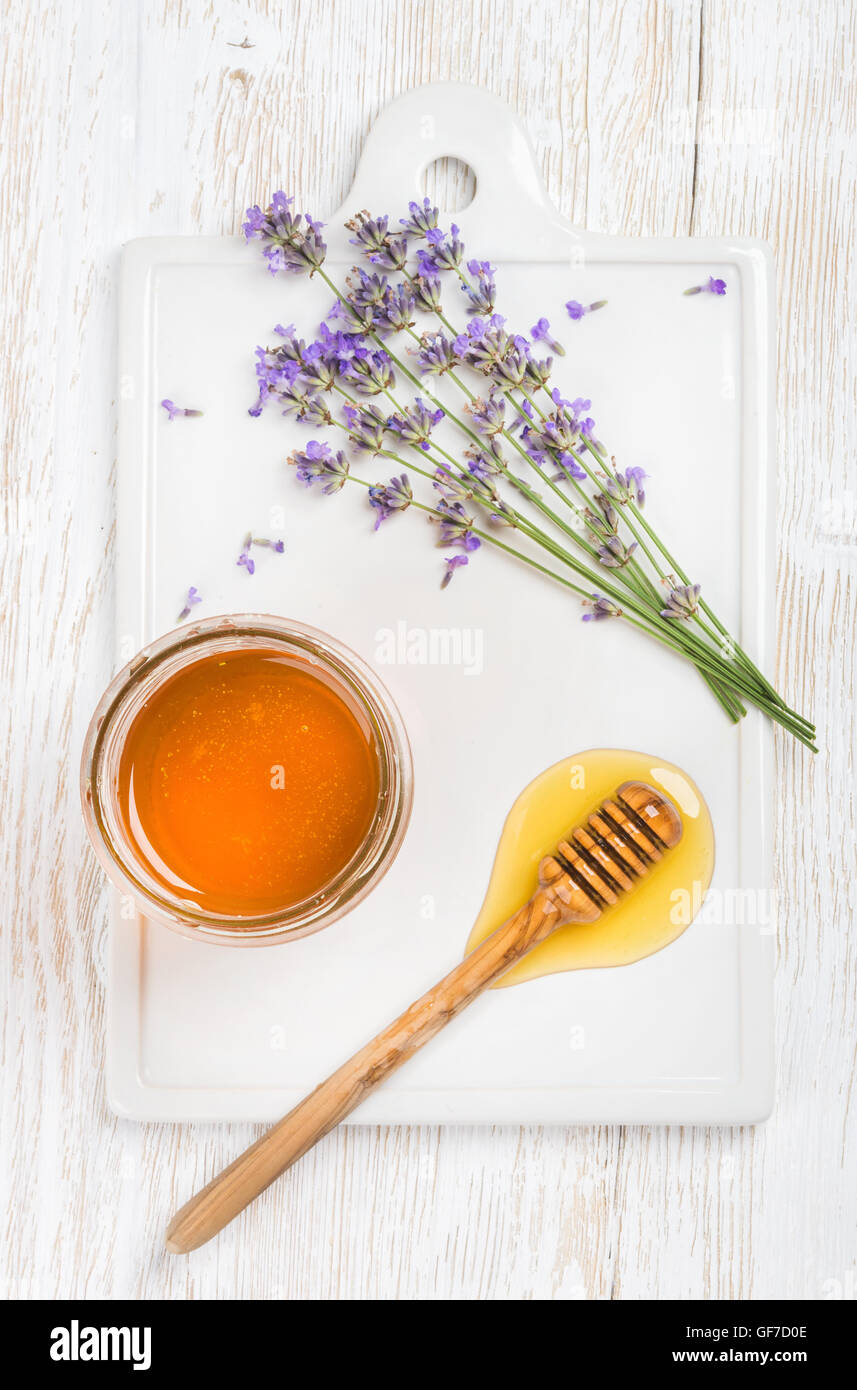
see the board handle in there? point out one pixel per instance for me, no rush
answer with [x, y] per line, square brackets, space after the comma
[458, 120]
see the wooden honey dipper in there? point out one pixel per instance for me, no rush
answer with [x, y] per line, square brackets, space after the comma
[620, 843]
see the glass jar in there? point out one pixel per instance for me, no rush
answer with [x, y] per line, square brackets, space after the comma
[135, 684]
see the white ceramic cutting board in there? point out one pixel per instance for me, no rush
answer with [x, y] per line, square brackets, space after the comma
[680, 386]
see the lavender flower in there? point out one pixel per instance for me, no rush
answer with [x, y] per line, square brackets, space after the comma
[711, 286]
[174, 410]
[387, 498]
[193, 597]
[317, 462]
[483, 343]
[608, 511]
[319, 369]
[489, 416]
[570, 468]
[541, 333]
[452, 486]
[511, 370]
[366, 290]
[446, 250]
[436, 354]
[427, 291]
[486, 494]
[415, 423]
[487, 461]
[277, 369]
[245, 559]
[601, 608]
[359, 319]
[577, 310]
[292, 241]
[614, 553]
[393, 255]
[627, 487]
[452, 562]
[538, 373]
[482, 291]
[456, 526]
[395, 311]
[369, 372]
[366, 427]
[266, 544]
[315, 411]
[370, 233]
[682, 603]
[559, 433]
[422, 219]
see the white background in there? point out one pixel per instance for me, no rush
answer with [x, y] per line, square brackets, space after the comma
[135, 119]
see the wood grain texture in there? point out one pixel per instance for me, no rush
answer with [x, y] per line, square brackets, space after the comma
[128, 118]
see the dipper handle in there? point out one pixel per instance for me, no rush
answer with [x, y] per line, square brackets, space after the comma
[565, 894]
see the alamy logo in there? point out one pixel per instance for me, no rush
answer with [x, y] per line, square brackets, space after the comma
[431, 646]
[76, 1343]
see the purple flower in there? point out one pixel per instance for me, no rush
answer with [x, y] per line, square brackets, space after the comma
[427, 291]
[601, 608]
[366, 290]
[487, 461]
[614, 553]
[576, 310]
[511, 370]
[453, 486]
[456, 526]
[570, 468]
[387, 498]
[558, 434]
[436, 354]
[317, 462]
[245, 558]
[538, 372]
[174, 410]
[366, 427]
[422, 219]
[682, 602]
[369, 372]
[359, 319]
[627, 487]
[446, 250]
[291, 241]
[193, 597]
[608, 511]
[489, 416]
[482, 291]
[266, 544]
[541, 333]
[393, 255]
[524, 419]
[452, 562]
[711, 286]
[415, 423]
[395, 311]
[485, 492]
[370, 233]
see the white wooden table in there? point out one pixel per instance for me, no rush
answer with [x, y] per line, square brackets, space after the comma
[127, 118]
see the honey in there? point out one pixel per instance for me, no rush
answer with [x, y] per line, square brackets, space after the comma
[248, 782]
[660, 906]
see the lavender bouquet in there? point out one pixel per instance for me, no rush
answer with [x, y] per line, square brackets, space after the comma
[530, 477]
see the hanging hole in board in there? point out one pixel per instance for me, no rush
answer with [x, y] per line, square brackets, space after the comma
[450, 183]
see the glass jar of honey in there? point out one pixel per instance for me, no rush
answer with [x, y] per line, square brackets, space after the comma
[246, 780]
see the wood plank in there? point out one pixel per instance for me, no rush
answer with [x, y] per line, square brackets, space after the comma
[128, 119]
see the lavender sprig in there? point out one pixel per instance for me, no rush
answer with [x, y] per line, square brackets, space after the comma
[555, 440]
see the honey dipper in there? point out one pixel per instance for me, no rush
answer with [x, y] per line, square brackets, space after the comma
[619, 844]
